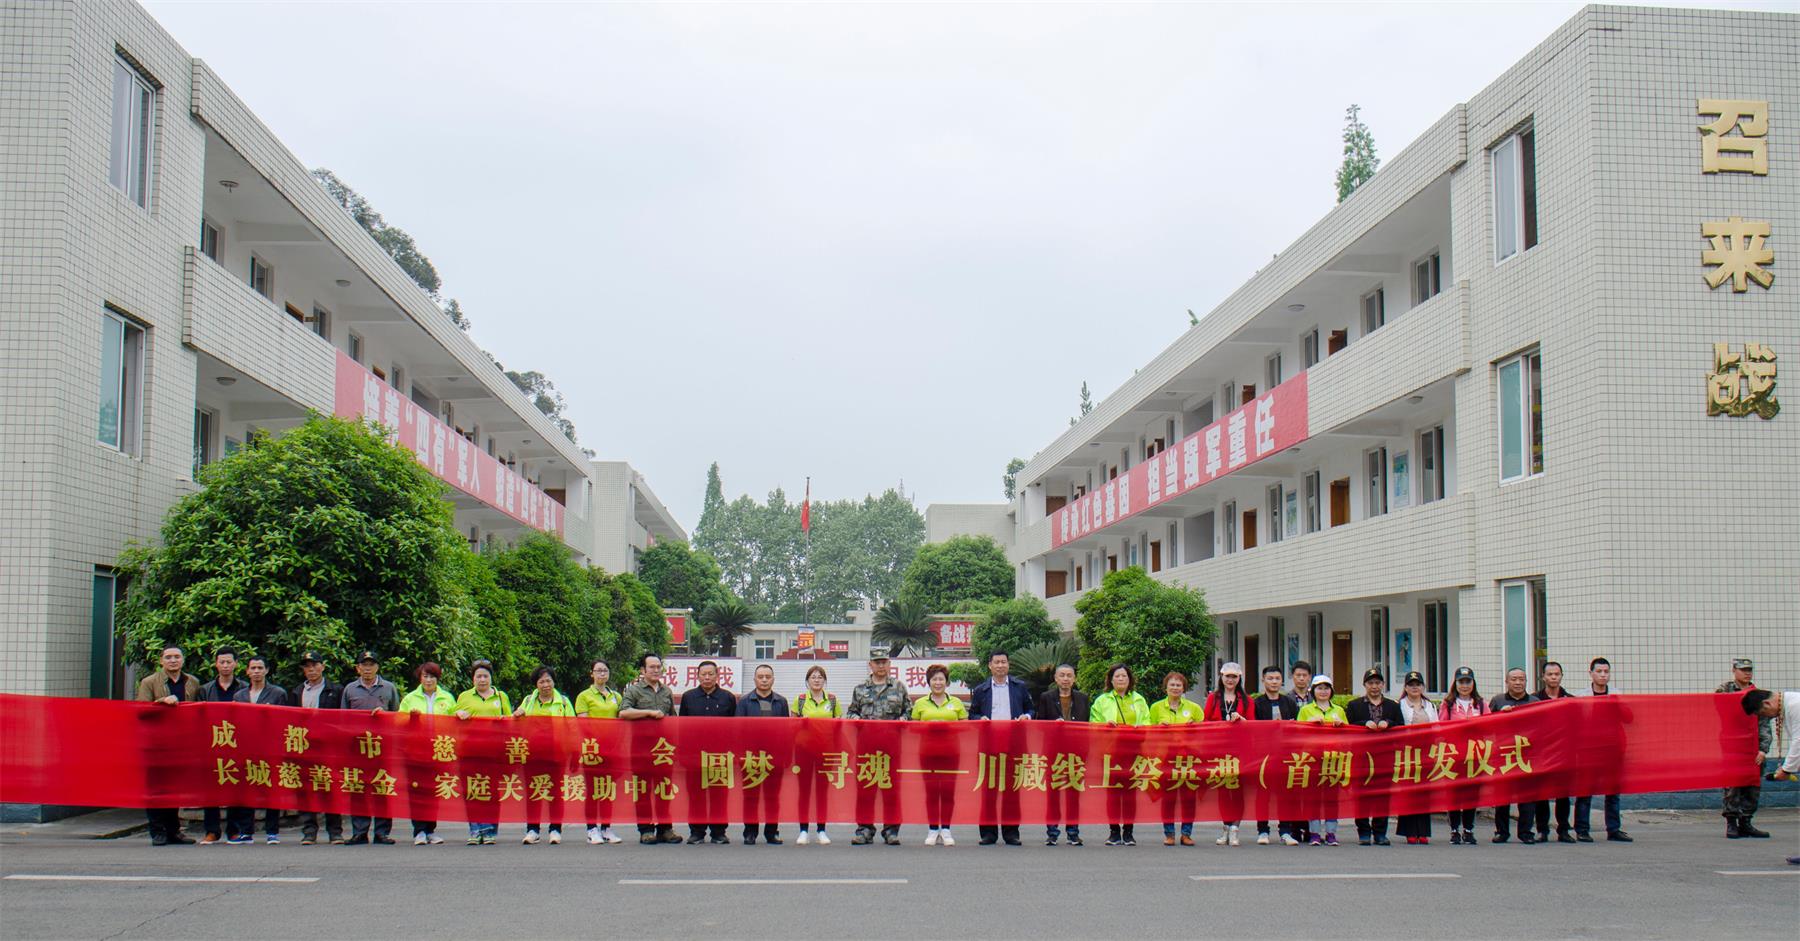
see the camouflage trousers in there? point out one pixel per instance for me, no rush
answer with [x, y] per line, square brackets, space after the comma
[1741, 801]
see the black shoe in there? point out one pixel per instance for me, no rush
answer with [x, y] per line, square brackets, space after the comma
[1382, 841]
[649, 838]
[749, 839]
[721, 840]
[988, 840]
[385, 840]
[1583, 838]
[771, 840]
[361, 839]
[1501, 838]
[1074, 840]
[1565, 837]
[1362, 841]
[1746, 829]
[1469, 838]
[1113, 837]
[1012, 841]
[1050, 840]
[1527, 839]
[157, 839]
[890, 837]
[1455, 837]
[693, 838]
[862, 837]
[1618, 836]
[179, 838]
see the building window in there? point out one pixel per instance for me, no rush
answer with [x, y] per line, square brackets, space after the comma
[1380, 639]
[121, 382]
[1231, 528]
[1523, 605]
[1436, 619]
[1432, 478]
[1274, 370]
[1309, 349]
[106, 650]
[206, 431]
[1374, 311]
[262, 277]
[1310, 484]
[1228, 396]
[1231, 641]
[1315, 641]
[321, 322]
[355, 344]
[1275, 498]
[765, 649]
[1427, 279]
[1376, 462]
[1515, 195]
[398, 380]
[133, 127]
[209, 239]
[1521, 416]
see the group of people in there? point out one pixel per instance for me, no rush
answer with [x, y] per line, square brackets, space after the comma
[1308, 697]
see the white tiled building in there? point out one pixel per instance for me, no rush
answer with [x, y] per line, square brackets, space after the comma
[174, 280]
[626, 516]
[1474, 398]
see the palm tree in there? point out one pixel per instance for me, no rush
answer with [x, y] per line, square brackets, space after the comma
[905, 624]
[1036, 665]
[723, 622]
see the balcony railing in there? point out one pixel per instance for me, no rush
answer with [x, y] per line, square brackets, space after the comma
[223, 317]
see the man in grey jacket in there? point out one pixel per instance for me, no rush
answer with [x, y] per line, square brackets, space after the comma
[375, 694]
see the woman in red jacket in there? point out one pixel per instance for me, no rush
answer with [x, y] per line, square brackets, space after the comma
[1464, 702]
[1229, 703]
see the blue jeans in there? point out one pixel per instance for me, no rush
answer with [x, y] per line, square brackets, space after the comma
[1053, 831]
[484, 829]
[1584, 807]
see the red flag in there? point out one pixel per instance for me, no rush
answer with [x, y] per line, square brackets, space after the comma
[806, 509]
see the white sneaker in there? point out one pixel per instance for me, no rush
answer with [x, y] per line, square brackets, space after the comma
[1234, 836]
[824, 840]
[945, 839]
[931, 837]
[1287, 840]
[1224, 837]
[419, 839]
[434, 839]
[531, 837]
[1262, 839]
[609, 836]
[804, 838]
[594, 837]
[556, 837]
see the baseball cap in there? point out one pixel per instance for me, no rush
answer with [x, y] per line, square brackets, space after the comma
[367, 656]
[311, 656]
[1464, 673]
[1322, 680]
[1414, 676]
[1373, 673]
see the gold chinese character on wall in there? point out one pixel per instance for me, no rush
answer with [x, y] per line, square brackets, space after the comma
[1742, 383]
[1744, 152]
[1738, 250]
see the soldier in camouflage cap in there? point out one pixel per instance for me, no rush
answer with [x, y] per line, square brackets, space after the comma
[1740, 803]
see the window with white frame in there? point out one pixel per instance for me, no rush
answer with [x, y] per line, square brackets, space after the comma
[1313, 513]
[1520, 390]
[1231, 640]
[321, 322]
[1315, 640]
[1523, 605]
[121, 382]
[1381, 638]
[1273, 370]
[1427, 279]
[1434, 617]
[1374, 311]
[1229, 396]
[1231, 527]
[1309, 348]
[355, 349]
[765, 649]
[1275, 498]
[1515, 194]
[1432, 478]
[206, 433]
[1376, 465]
[262, 277]
[209, 239]
[133, 131]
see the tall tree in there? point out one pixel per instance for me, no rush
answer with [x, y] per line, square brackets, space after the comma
[944, 575]
[454, 311]
[1011, 479]
[1360, 162]
[714, 502]
[679, 577]
[1010, 626]
[1087, 400]
[393, 240]
[544, 394]
[567, 618]
[637, 619]
[1132, 618]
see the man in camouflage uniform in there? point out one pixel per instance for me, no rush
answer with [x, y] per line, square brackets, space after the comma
[882, 697]
[1740, 802]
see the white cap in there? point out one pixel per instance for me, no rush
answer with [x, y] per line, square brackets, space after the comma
[1231, 667]
[1323, 678]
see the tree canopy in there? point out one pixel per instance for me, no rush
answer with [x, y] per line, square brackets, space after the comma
[1151, 627]
[1360, 162]
[680, 577]
[944, 575]
[567, 618]
[1012, 625]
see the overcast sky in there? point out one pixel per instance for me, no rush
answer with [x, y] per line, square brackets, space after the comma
[866, 243]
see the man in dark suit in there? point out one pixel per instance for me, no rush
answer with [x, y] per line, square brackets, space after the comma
[1063, 703]
[317, 692]
[1273, 705]
[1376, 712]
[1004, 698]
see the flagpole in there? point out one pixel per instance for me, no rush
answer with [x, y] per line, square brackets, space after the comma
[806, 588]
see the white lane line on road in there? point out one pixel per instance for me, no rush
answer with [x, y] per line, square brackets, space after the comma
[762, 882]
[49, 878]
[1329, 875]
[1758, 872]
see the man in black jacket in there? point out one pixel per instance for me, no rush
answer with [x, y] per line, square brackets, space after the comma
[1517, 694]
[223, 689]
[707, 812]
[1004, 698]
[1553, 689]
[1063, 703]
[1273, 705]
[1378, 713]
[317, 692]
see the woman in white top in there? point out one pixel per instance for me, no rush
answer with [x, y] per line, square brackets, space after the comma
[1416, 710]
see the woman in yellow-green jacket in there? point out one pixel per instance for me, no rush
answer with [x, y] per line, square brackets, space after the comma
[545, 700]
[1320, 708]
[599, 701]
[428, 698]
[816, 702]
[1176, 709]
[1121, 704]
[939, 752]
[482, 700]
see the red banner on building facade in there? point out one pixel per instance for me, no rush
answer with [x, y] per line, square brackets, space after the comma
[112, 754]
[449, 456]
[1268, 424]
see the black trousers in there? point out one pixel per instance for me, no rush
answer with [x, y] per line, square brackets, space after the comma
[1371, 827]
[1542, 813]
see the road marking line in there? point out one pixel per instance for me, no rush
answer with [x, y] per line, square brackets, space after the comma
[1758, 872]
[762, 882]
[1330, 875]
[49, 878]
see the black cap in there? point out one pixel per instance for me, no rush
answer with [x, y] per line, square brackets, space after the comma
[311, 656]
[1464, 673]
[367, 656]
[1414, 676]
[1373, 673]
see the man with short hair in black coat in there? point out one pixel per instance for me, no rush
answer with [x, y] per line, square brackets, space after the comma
[1376, 712]
[1273, 705]
[317, 692]
[1062, 702]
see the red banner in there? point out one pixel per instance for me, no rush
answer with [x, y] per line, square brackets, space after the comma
[102, 753]
[1268, 424]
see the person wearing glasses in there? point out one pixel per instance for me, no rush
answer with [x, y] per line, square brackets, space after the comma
[815, 703]
[598, 701]
[482, 700]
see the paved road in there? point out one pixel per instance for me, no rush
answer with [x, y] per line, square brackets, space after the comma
[1666, 885]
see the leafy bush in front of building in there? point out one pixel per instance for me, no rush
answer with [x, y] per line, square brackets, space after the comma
[1149, 626]
[943, 576]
